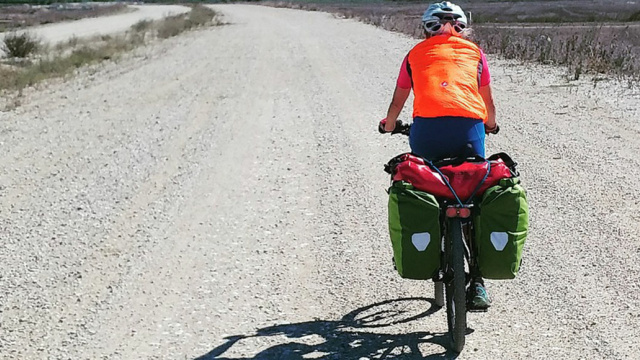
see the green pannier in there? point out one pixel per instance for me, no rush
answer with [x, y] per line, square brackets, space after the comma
[414, 227]
[501, 229]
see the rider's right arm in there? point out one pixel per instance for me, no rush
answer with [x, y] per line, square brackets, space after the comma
[404, 77]
[400, 96]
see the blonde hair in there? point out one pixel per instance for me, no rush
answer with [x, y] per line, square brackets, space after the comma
[467, 34]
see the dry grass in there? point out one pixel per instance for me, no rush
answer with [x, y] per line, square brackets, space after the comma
[142, 26]
[199, 16]
[18, 75]
[597, 49]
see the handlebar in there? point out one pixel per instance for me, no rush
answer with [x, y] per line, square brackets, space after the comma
[401, 128]
[405, 129]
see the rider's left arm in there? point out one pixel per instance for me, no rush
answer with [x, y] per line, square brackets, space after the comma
[487, 96]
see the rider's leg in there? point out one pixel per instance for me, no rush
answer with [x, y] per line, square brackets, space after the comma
[476, 137]
[477, 295]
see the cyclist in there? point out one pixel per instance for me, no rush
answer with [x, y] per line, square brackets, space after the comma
[453, 106]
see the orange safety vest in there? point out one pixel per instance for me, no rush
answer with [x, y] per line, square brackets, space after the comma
[444, 73]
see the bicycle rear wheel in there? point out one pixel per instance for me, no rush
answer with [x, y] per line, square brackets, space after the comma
[455, 286]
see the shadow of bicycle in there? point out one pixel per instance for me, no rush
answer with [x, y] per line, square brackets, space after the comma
[356, 336]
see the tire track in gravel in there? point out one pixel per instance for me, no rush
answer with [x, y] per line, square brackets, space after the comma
[234, 144]
[98, 274]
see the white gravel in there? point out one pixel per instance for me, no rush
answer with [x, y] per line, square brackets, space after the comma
[222, 193]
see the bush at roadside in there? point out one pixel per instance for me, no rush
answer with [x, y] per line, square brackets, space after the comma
[198, 16]
[20, 45]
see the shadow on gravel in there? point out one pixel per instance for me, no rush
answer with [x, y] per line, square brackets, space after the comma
[356, 336]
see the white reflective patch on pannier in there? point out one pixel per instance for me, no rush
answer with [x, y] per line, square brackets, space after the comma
[499, 240]
[421, 240]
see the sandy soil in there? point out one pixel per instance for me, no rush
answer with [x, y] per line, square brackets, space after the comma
[220, 195]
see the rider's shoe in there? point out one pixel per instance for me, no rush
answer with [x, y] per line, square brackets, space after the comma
[477, 297]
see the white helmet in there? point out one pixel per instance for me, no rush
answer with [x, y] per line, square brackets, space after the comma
[439, 14]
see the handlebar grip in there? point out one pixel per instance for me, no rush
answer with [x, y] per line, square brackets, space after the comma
[401, 128]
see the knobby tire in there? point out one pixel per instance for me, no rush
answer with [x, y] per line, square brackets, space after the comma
[455, 287]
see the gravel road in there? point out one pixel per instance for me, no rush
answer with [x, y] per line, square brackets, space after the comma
[220, 195]
[59, 32]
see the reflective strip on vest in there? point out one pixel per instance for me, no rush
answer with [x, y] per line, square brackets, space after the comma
[444, 72]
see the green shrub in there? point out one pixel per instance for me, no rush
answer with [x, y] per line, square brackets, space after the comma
[20, 45]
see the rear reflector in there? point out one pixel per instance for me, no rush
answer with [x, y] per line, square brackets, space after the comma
[453, 212]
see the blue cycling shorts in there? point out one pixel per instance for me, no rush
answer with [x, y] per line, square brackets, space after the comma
[448, 136]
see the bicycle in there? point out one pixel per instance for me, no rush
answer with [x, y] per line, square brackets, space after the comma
[458, 263]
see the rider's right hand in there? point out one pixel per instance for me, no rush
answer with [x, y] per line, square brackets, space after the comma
[381, 125]
[493, 130]
[400, 128]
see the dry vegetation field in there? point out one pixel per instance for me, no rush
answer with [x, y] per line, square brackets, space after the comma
[18, 16]
[599, 37]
